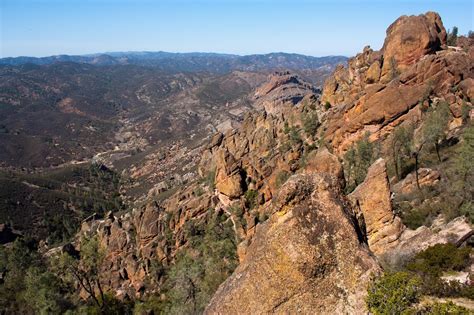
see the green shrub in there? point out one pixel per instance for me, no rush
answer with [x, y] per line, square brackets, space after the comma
[439, 258]
[327, 105]
[452, 36]
[236, 210]
[198, 191]
[357, 161]
[310, 123]
[294, 136]
[444, 309]
[467, 209]
[262, 217]
[393, 293]
[209, 179]
[199, 269]
[416, 217]
[150, 305]
[251, 198]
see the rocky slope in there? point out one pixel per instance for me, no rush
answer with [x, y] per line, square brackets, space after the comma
[303, 242]
[316, 239]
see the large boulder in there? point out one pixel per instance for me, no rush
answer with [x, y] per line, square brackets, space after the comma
[308, 258]
[408, 39]
[372, 200]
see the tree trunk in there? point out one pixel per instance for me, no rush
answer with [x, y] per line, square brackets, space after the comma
[101, 293]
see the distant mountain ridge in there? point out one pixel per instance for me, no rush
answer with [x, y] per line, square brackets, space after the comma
[188, 62]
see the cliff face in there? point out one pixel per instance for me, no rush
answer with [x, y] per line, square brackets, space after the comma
[371, 200]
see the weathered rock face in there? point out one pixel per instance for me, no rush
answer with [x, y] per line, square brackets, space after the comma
[307, 258]
[282, 87]
[138, 242]
[130, 243]
[229, 179]
[379, 90]
[372, 200]
[408, 39]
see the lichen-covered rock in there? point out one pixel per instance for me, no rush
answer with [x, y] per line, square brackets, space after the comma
[372, 200]
[308, 258]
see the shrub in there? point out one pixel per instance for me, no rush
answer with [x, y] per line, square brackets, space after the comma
[327, 105]
[198, 192]
[310, 124]
[251, 198]
[262, 217]
[236, 210]
[295, 138]
[199, 269]
[421, 215]
[443, 309]
[393, 293]
[452, 36]
[399, 149]
[208, 179]
[440, 257]
[357, 161]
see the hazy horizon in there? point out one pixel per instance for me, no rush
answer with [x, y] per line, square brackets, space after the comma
[172, 52]
[40, 28]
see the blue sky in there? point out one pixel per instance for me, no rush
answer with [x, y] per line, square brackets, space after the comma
[318, 28]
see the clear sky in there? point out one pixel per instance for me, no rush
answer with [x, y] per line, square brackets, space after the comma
[318, 28]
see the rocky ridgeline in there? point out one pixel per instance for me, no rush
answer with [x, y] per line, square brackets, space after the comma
[383, 89]
[303, 245]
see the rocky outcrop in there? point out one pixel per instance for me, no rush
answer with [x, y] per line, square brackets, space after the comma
[228, 179]
[252, 156]
[380, 90]
[307, 258]
[408, 39]
[372, 200]
[281, 88]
